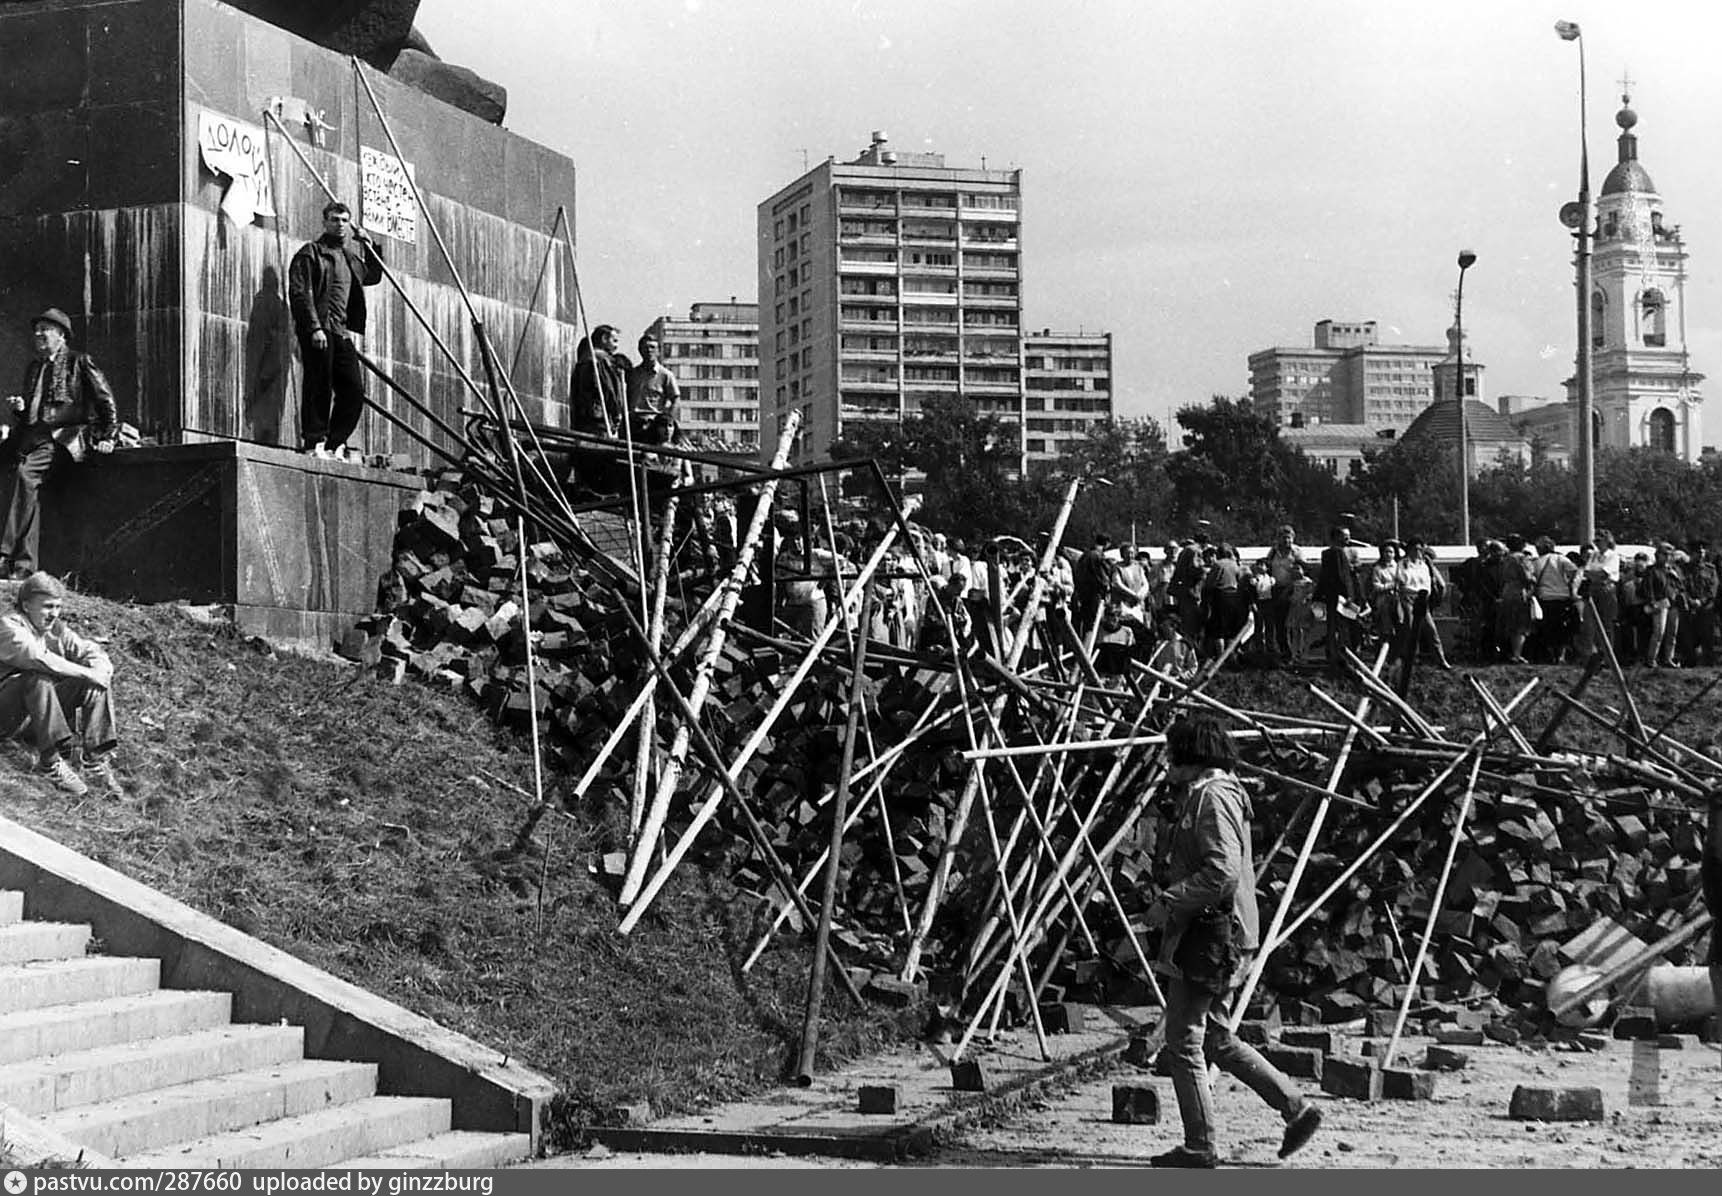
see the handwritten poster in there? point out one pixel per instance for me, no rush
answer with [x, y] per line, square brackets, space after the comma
[386, 192]
[240, 153]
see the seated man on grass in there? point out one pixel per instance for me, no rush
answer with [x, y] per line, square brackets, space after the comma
[54, 687]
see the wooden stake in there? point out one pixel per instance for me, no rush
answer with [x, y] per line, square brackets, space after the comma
[1434, 913]
[785, 695]
[672, 768]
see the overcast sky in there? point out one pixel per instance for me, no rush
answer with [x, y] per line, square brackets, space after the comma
[1200, 179]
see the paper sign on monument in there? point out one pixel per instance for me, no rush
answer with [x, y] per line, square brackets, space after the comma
[239, 152]
[386, 191]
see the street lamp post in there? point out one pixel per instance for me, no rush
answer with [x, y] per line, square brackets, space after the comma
[1466, 260]
[1578, 217]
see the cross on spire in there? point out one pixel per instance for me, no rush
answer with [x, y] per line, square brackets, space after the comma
[1625, 88]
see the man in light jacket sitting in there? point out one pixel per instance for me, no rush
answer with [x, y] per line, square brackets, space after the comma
[54, 690]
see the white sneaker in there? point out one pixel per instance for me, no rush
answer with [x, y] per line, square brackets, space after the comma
[63, 776]
[318, 451]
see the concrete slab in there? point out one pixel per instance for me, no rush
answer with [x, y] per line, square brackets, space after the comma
[311, 1140]
[824, 1119]
[64, 981]
[58, 1029]
[457, 1150]
[11, 908]
[22, 942]
[200, 1108]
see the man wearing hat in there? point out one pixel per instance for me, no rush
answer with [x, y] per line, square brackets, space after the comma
[54, 687]
[66, 409]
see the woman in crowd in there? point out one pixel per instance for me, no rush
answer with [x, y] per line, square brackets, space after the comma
[1556, 577]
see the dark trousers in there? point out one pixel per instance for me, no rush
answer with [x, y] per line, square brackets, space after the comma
[53, 711]
[1197, 1035]
[334, 394]
[28, 460]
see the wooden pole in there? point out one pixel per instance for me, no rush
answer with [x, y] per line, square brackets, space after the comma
[834, 853]
[1477, 744]
[959, 822]
[1434, 913]
[655, 637]
[1320, 816]
[760, 733]
[732, 587]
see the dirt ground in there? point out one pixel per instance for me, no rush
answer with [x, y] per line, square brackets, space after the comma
[1466, 1125]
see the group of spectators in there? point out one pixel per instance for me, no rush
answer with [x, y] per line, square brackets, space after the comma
[1657, 607]
[1181, 604]
[609, 395]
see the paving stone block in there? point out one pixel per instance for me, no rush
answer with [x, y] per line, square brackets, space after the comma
[1440, 1058]
[1675, 1042]
[1135, 1104]
[1452, 1036]
[1354, 1079]
[879, 1098]
[1555, 1104]
[969, 1075]
[1141, 1049]
[1502, 1033]
[1303, 1063]
[1255, 1032]
[1402, 1083]
[1327, 1042]
[898, 994]
[1062, 1018]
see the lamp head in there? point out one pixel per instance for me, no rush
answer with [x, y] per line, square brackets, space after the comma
[1467, 259]
[1568, 30]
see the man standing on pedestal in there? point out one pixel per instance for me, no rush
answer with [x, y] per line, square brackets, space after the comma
[67, 408]
[326, 289]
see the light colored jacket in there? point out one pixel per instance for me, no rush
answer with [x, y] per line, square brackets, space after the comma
[1209, 862]
[24, 650]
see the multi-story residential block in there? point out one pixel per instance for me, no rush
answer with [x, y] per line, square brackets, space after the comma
[1346, 377]
[1069, 382]
[883, 282]
[714, 354]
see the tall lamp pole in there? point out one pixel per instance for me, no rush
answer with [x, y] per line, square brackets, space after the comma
[1577, 216]
[1466, 260]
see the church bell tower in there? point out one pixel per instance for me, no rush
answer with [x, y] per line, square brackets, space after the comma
[1646, 393]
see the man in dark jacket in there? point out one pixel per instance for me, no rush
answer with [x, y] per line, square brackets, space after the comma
[1336, 587]
[326, 284]
[66, 409]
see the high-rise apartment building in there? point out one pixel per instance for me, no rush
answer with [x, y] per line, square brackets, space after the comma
[714, 354]
[1346, 377]
[884, 282]
[1069, 384]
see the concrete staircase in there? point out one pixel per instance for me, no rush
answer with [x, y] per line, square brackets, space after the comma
[92, 1048]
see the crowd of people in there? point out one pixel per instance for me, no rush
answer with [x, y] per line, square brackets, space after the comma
[1177, 605]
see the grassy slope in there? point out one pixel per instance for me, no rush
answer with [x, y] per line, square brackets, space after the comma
[366, 828]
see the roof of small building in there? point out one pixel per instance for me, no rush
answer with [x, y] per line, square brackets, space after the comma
[1628, 176]
[1483, 424]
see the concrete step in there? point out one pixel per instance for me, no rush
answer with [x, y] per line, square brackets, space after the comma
[23, 941]
[356, 1130]
[67, 981]
[11, 907]
[457, 1150]
[60, 1029]
[151, 1121]
[41, 1086]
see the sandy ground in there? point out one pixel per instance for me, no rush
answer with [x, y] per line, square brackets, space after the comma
[1465, 1126]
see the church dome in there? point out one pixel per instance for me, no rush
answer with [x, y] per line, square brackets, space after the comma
[1483, 424]
[1628, 177]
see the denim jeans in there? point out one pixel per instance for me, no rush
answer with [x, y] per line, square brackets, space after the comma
[1196, 1035]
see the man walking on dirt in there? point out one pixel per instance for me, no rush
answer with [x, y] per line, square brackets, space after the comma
[326, 284]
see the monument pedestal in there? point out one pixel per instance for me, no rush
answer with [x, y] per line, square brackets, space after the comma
[295, 545]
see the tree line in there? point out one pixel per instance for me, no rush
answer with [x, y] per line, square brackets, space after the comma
[1233, 470]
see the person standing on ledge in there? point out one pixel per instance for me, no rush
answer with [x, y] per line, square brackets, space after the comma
[54, 690]
[326, 284]
[66, 409]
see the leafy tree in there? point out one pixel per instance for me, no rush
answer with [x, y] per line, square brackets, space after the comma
[1131, 491]
[1236, 472]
